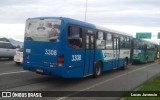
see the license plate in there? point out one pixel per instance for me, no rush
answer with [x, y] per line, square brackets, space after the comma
[39, 70]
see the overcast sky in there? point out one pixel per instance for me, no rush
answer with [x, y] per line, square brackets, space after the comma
[129, 16]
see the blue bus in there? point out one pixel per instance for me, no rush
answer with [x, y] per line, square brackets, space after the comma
[69, 48]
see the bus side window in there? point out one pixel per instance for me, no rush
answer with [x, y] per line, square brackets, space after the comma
[108, 40]
[100, 43]
[9, 46]
[122, 42]
[75, 37]
[127, 42]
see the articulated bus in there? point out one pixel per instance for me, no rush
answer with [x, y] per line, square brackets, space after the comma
[69, 48]
[144, 51]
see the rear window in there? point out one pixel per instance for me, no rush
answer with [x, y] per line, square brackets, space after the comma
[75, 37]
[42, 30]
[2, 45]
[9, 46]
[6, 45]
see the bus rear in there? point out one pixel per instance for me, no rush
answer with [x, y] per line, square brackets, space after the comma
[42, 46]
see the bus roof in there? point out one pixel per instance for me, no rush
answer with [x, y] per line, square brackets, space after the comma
[147, 41]
[86, 24]
[113, 31]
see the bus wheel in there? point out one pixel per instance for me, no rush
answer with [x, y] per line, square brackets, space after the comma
[98, 69]
[18, 63]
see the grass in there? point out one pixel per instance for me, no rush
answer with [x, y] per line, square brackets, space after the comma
[151, 85]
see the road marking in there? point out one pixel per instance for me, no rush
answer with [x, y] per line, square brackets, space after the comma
[9, 63]
[13, 72]
[100, 83]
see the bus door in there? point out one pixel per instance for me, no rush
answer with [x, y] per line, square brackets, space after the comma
[89, 53]
[116, 52]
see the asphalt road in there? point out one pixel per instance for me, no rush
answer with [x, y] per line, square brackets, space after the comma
[14, 78]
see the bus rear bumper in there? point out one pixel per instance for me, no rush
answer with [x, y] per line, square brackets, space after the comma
[60, 71]
[57, 71]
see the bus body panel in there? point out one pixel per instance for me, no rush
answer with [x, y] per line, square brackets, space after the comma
[109, 59]
[42, 56]
[40, 53]
[74, 62]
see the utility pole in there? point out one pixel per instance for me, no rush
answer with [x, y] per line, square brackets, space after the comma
[86, 12]
[158, 36]
[159, 52]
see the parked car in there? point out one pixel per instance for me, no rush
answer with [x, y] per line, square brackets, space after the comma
[18, 58]
[7, 50]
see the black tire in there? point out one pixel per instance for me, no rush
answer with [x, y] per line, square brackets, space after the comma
[98, 69]
[18, 63]
[133, 63]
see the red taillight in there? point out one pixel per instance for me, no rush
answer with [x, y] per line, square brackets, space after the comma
[60, 60]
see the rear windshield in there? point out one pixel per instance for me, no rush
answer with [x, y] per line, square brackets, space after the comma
[42, 30]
